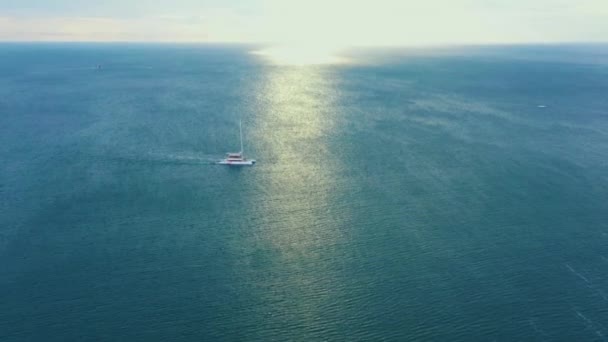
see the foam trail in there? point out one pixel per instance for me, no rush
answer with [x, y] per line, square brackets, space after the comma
[590, 325]
[587, 320]
[578, 274]
[181, 158]
[588, 282]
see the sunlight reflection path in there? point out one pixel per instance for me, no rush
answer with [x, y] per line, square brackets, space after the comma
[302, 224]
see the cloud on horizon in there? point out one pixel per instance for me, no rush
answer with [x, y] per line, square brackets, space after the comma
[337, 22]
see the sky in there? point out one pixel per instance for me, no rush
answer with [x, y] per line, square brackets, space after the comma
[307, 22]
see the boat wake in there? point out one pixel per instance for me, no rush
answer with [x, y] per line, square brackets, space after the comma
[190, 159]
[184, 158]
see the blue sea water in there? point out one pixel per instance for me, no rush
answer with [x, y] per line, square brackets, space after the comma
[453, 194]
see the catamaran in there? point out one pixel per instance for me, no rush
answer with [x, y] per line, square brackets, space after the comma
[237, 158]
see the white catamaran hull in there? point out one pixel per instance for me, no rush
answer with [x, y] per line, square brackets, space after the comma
[237, 163]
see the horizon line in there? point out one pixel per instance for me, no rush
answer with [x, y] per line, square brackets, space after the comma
[346, 46]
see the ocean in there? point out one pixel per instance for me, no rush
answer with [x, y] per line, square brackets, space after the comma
[421, 194]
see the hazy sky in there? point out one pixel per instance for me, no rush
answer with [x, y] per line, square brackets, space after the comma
[319, 22]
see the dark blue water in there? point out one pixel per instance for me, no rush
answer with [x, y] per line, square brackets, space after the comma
[451, 194]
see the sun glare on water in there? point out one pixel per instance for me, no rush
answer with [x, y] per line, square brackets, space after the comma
[302, 55]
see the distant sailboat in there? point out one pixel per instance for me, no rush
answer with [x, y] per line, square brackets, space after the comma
[238, 158]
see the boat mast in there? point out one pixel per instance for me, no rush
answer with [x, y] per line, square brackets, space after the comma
[241, 134]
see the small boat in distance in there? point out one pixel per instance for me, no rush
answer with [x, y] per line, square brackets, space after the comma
[237, 158]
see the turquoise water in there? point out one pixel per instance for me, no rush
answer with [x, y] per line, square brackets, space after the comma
[453, 194]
